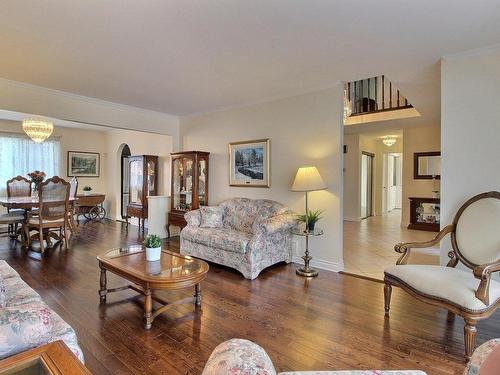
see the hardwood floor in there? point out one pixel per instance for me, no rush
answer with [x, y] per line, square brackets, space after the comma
[369, 245]
[328, 323]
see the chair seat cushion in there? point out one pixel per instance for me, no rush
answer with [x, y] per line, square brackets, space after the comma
[445, 283]
[12, 217]
[221, 238]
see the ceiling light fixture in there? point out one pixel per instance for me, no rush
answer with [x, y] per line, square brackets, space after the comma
[38, 129]
[389, 140]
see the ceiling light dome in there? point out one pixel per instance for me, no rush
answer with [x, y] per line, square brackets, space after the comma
[38, 129]
[389, 140]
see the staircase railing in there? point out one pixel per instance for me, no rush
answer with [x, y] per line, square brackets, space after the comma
[375, 94]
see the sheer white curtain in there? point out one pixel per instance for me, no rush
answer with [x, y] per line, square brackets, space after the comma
[19, 155]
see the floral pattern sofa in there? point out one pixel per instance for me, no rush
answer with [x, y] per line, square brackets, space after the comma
[243, 357]
[246, 234]
[25, 320]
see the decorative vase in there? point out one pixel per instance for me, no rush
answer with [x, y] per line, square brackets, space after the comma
[153, 254]
[310, 226]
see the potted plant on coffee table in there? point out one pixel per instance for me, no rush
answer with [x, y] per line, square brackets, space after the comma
[87, 190]
[310, 219]
[152, 242]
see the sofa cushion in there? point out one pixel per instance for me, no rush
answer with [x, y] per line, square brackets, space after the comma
[17, 292]
[211, 217]
[221, 238]
[242, 213]
[451, 284]
[31, 325]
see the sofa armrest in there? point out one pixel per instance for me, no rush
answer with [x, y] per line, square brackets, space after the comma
[485, 359]
[274, 224]
[238, 357]
[193, 218]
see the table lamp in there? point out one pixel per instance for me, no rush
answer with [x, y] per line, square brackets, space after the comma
[308, 179]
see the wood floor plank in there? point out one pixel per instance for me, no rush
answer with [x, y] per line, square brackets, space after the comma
[333, 322]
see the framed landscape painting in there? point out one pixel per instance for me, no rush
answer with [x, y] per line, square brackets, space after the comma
[249, 163]
[83, 164]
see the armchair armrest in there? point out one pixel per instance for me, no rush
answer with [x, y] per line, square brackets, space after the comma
[483, 273]
[405, 248]
[277, 223]
[237, 356]
[193, 218]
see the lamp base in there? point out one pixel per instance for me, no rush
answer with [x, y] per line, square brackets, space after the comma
[306, 272]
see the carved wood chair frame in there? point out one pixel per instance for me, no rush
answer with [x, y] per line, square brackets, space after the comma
[481, 271]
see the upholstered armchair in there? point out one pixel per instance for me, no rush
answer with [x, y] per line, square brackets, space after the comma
[471, 292]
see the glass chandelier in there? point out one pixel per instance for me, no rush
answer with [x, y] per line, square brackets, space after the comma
[389, 140]
[38, 129]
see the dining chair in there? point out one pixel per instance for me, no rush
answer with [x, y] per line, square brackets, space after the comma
[53, 195]
[73, 191]
[18, 186]
[472, 291]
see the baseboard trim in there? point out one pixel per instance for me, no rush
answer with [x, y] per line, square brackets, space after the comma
[321, 264]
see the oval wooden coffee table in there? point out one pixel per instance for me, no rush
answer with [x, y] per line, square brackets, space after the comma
[172, 271]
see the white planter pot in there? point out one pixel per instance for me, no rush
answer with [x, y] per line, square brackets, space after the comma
[86, 192]
[153, 254]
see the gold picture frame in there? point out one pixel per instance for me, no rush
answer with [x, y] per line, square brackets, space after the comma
[249, 163]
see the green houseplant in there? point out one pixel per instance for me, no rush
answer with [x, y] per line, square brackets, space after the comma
[310, 219]
[152, 242]
[87, 189]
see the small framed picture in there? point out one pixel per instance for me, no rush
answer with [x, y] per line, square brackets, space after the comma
[83, 164]
[249, 163]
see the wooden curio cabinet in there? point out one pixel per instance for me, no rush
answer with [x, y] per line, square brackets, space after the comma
[189, 189]
[143, 182]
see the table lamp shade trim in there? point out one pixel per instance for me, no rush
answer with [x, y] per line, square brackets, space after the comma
[308, 179]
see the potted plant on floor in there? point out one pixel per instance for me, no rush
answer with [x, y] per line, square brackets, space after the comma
[87, 190]
[152, 242]
[310, 219]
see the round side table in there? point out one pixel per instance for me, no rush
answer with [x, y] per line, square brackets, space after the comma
[307, 271]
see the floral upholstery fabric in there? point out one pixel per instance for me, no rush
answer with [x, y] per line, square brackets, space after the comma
[243, 357]
[210, 217]
[26, 321]
[257, 237]
[485, 360]
[239, 357]
[221, 238]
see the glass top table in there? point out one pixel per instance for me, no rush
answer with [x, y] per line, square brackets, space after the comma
[172, 272]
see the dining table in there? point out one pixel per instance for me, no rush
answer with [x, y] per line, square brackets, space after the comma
[27, 204]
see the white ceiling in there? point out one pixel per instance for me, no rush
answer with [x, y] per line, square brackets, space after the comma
[186, 56]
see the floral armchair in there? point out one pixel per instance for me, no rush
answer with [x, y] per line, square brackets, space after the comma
[246, 234]
[243, 357]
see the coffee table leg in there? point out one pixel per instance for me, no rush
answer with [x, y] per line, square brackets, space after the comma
[103, 282]
[148, 308]
[197, 294]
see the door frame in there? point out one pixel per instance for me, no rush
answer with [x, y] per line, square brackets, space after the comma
[370, 208]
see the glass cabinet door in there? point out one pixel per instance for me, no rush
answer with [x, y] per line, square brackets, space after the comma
[202, 180]
[151, 170]
[136, 181]
[182, 184]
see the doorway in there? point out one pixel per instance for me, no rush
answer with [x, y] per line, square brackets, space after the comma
[124, 179]
[367, 160]
[392, 184]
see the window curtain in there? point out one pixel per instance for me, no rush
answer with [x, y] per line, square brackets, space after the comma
[20, 155]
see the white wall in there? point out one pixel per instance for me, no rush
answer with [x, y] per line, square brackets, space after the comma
[470, 113]
[25, 98]
[417, 140]
[352, 178]
[304, 130]
[139, 144]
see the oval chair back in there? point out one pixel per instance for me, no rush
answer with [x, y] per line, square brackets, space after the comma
[18, 186]
[476, 238]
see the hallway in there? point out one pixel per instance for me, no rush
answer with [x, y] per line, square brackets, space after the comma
[369, 245]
